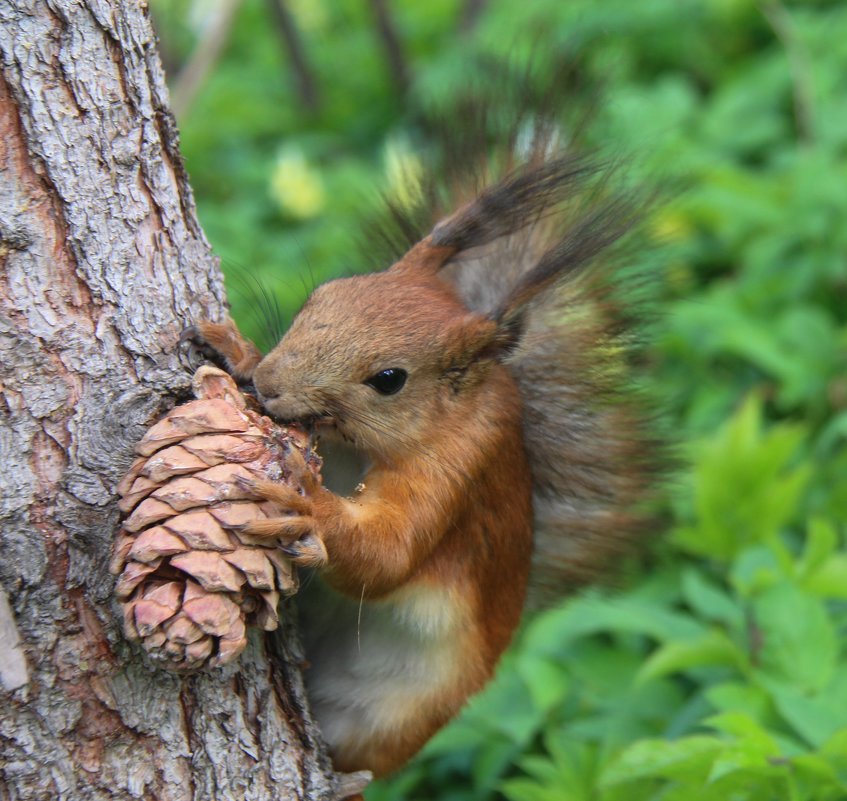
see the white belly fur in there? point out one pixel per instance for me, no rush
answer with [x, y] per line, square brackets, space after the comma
[374, 665]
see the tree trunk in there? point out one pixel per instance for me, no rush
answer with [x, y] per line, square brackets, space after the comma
[103, 264]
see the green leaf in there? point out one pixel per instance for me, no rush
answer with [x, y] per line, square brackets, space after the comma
[817, 778]
[754, 570]
[798, 640]
[751, 753]
[566, 773]
[713, 648]
[821, 542]
[492, 762]
[744, 727]
[710, 601]
[814, 719]
[688, 758]
[835, 748]
[528, 790]
[733, 696]
[745, 489]
[830, 579]
[551, 632]
[834, 433]
[545, 679]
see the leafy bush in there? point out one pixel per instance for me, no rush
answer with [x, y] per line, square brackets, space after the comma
[719, 672]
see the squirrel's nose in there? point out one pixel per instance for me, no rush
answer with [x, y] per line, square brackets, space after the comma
[266, 381]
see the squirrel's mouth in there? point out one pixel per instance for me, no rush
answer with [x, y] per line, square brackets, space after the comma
[288, 412]
[314, 424]
[317, 424]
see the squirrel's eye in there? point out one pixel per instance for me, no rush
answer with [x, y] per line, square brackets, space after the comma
[389, 381]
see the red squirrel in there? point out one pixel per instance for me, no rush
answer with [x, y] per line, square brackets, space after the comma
[482, 383]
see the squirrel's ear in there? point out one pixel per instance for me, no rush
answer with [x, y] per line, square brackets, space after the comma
[473, 339]
[424, 257]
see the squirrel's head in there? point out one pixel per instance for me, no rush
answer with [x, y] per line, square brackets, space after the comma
[380, 358]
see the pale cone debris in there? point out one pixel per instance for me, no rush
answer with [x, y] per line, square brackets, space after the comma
[189, 582]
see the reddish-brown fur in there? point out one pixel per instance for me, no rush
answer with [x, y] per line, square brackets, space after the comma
[447, 502]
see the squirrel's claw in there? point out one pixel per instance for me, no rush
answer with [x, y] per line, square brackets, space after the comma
[309, 551]
[300, 472]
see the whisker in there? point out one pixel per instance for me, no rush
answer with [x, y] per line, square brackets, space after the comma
[312, 280]
[255, 292]
[312, 284]
[359, 620]
[278, 313]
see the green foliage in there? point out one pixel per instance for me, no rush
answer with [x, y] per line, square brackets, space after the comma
[720, 672]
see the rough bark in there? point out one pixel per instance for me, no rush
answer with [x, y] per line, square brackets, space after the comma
[102, 263]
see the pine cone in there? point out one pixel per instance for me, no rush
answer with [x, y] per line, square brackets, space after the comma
[189, 581]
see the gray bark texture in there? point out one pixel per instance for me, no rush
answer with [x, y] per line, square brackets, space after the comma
[102, 264]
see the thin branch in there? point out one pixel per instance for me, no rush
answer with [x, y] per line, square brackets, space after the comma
[802, 81]
[304, 77]
[471, 13]
[171, 60]
[206, 53]
[392, 46]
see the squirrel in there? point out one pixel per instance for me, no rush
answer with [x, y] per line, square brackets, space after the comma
[482, 383]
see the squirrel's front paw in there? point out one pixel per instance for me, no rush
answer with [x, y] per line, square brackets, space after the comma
[223, 344]
[297, 531]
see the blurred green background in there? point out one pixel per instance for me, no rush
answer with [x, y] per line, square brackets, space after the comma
[719, 670]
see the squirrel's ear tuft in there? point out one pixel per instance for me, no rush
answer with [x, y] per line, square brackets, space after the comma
[510, 329]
